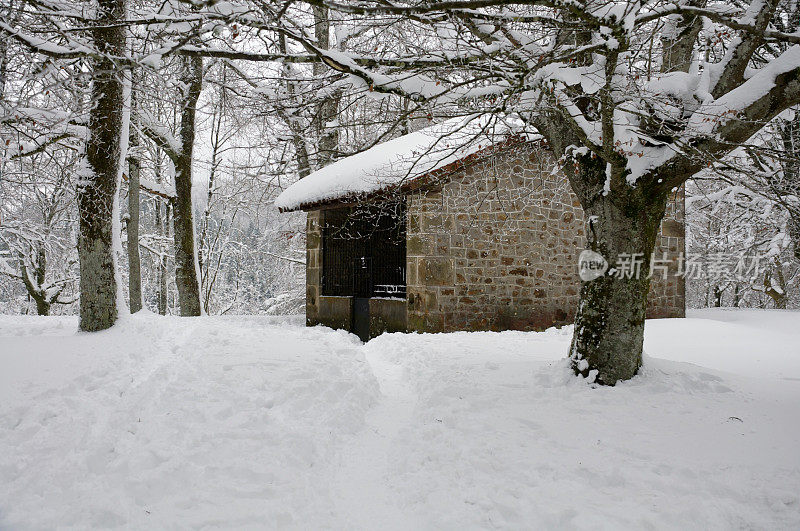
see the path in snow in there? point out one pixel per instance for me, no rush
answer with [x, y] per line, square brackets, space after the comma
[362, 473]
[250, 422]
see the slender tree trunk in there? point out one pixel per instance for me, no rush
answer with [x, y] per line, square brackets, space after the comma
[3, 67]
[328, 110]
[794, 230]
[36, 292]
[162, 259]
[3, 75]
[609, 324]
[787, 183]
[204, 248]
[98, 189]
[134, 260]
[41, 265]
[186, 265]
[161, 224]
[718, 296]
[298, 138]
[303, 163]
[775, 285]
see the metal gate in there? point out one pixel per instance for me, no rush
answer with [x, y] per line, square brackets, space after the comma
[364, 256]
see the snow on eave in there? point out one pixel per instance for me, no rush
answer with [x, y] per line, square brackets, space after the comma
[401, 164]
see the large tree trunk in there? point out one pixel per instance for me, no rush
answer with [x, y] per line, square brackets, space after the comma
[609, 324]
[186, 266]
[98, 189]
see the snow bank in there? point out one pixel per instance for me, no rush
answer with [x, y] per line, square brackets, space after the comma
[168, 423]
[396, 161]
[251, 422]
[760, 343]
[502, 436]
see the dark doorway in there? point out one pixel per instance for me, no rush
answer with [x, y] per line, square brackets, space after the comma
[362, 290]
[364, 256]
[361, 318]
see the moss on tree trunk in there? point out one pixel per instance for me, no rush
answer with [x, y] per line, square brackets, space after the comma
[609, 323]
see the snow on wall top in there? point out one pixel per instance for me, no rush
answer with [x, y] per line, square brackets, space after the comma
[396, 162]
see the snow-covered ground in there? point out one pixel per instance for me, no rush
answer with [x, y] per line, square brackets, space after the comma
[256, 422]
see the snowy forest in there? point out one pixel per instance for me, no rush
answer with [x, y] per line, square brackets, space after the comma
[144, 144]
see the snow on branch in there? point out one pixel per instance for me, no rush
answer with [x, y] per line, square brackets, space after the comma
[715, 115]
[721, 15]
[154, 188]
[159, 134]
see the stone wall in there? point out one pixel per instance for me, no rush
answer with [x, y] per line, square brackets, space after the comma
[387, 315]
[313, 267]
[496, 247]
[667, 297]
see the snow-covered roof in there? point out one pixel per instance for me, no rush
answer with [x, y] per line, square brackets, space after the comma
[397, 162]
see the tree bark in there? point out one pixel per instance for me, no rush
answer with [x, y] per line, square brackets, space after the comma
[298, 138]
[609, 324]
[3, 75]
[42, 306]
[186, 265]
[98, 189]
[787, 184]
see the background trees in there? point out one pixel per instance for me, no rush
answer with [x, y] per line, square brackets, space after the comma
[36, 236]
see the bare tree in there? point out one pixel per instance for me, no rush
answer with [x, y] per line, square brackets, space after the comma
[180, 151]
